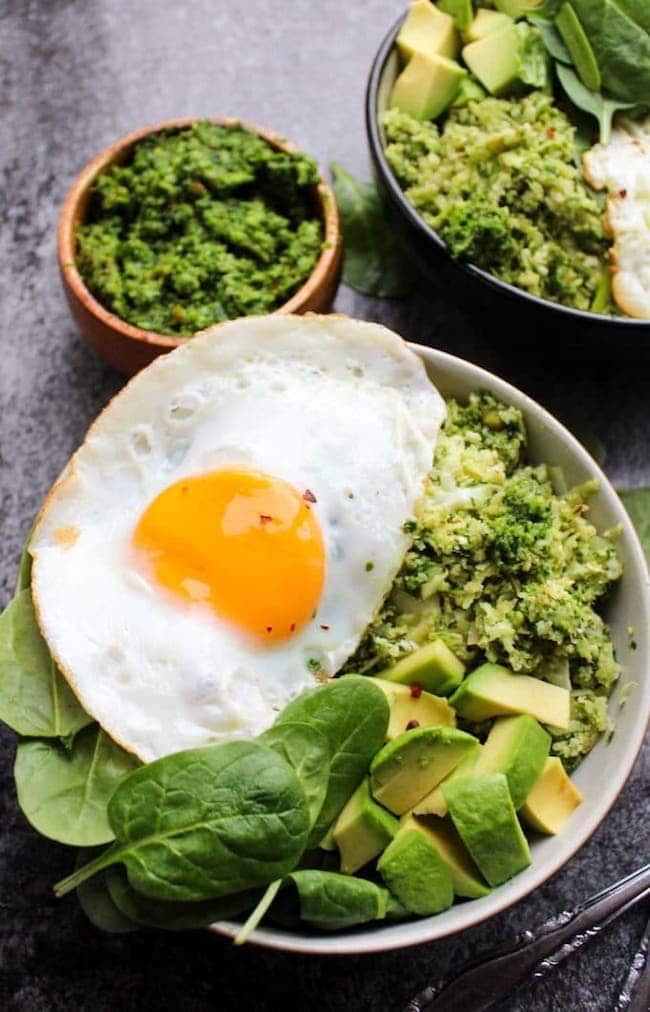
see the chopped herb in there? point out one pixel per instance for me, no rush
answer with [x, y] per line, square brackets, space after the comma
[369, 567]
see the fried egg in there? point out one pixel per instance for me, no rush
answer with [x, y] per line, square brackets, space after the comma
[231, 524]
[623, 168]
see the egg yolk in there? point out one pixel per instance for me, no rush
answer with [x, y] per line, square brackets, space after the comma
[244, 543]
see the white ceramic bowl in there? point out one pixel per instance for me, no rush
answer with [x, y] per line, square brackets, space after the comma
[602, 775]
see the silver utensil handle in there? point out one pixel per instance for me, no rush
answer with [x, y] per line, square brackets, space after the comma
[635, 996]
[482, 983]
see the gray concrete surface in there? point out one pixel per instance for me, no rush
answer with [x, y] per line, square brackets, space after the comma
[75, 74]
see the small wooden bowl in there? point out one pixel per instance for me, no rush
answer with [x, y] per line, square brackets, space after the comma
[129, 348]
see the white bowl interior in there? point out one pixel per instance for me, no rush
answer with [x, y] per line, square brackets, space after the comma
[602, 775]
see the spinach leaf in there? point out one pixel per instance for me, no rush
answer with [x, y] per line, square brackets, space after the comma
[307, 751]
[374, 262]
[257, 914]
[25, 567]
[637, 503]
[590, 101]
[621, 48]
[206, 822]
[97, 904]
[637, 10]
[331, 901]
[352, 714]
[552, 40]
[64, 792]
[35, 699]
[170, 916]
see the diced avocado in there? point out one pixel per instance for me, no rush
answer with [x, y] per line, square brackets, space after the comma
[411, 765]
[434, 803]
[461, 11]
[493, 691]
[482, 812]
[469, 91]
[465, 876]
[518, 8]
[517, 747]
[510, 60]
[552, 800]
[415, 873]
[362, 830]
[484, 23]
[579, 46]
[427, 30]
[434, 666]
[407, 706]
[328, 842]
[426, 86]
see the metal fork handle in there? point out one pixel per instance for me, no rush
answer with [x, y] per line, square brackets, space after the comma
[499, 972]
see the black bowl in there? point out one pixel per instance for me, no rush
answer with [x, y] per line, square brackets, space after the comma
[506, 313]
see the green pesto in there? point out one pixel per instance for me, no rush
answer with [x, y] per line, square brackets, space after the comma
[498, 181]
[202, 224]
[505, 569]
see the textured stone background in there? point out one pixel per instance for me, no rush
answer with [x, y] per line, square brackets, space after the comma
[74, 75]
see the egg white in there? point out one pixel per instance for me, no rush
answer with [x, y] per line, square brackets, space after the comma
[337, 406]
[623, 168]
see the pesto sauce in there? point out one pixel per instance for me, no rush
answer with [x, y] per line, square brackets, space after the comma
[203, 224]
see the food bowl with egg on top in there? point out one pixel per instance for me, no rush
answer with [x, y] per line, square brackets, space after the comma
[338, 590]
[478, 127]
[180, 225]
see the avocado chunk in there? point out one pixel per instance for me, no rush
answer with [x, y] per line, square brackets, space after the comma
[552, 800]
[518, 8]
[482, 812]
[509, 61]
[411, 765]
[362, 830]
[579, 46]
[409, 704]
[415, 873]
[493, 691]
[465, 876]
[434, 803]
[426, 86]
[461, 11]
[434, 666]
[427, 30]
[469, 91]
[517, 747]
[484, 23]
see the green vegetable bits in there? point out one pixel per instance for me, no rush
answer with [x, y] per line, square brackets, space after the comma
[202, 224]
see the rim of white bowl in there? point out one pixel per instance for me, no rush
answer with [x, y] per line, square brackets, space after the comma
[461, 917]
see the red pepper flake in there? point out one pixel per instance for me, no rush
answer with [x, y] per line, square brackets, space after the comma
[325, 627]
[309, 496]
[269, 628]
[292, 627]
[416, 690]
[412, 724]
[550, 132]
[265, 518]
[622, 193]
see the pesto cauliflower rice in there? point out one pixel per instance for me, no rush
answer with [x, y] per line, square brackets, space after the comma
[505, 567]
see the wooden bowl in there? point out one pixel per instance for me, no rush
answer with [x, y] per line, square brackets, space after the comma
[130, 348]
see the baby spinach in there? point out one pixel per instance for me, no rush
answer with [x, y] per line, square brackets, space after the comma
[331, 901]
[204, 823]
[374, 262]
[620, 45]
[64, 792]
[552, 40]
[352, 714]
[35, 699]
[169, 915]
[637, 503]
[25, 567]
[96, 902]
[590, 101]
[305, 749]
[637, 10]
